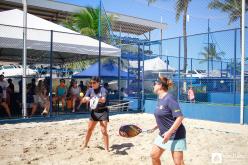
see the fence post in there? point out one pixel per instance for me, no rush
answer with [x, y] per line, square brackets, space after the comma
[119, 75]
[235, 61]
[208, 46]
[24, 60]
[221, 69]
[242, 84]
[99, 39]
[179, 63]
[142, 87]
[51, 75]
[138, 90]
[167, 62]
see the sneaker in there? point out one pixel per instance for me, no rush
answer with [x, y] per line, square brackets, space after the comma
[44, 113]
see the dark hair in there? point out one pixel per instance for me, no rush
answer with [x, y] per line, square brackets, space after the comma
[106, 85]
[2, 75]
[166, 83]
[95, 78]
[62, 80]
[9, 80]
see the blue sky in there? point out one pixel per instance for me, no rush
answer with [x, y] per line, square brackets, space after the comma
[198, 14]
[198, 23]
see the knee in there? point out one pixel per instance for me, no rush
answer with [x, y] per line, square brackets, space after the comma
[178, 162]
[154, 155]
[104, 132]
[90, 130]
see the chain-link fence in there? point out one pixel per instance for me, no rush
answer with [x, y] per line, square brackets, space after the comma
[211, 68]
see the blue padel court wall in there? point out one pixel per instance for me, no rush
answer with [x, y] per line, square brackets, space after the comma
[212, 112]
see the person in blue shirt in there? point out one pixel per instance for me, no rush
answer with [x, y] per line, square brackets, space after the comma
[96, 96]
[61, 92]
[169, 117]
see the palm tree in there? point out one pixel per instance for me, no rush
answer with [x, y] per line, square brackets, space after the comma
[235, 68]
[181, 9]
[232, 7]
[210, 53]
[84, 22]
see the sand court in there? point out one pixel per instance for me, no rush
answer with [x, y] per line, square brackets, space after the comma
[59, 142]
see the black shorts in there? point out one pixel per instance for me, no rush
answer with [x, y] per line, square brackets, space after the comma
[99, 115]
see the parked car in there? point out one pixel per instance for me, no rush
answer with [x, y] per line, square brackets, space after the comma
[15, 70]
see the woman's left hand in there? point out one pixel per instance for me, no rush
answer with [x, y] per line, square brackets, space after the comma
[166, 136]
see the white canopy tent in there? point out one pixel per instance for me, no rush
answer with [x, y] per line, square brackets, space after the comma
[154, 64]
[66, 43]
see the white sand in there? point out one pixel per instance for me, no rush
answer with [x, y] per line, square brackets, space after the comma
[58, 143]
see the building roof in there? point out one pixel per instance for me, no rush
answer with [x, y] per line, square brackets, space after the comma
[58, 11]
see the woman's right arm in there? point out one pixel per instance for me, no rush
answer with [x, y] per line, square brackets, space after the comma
[85, 99]
[153, 129]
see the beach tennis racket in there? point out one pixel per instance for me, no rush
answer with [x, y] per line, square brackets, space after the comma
[131, 130]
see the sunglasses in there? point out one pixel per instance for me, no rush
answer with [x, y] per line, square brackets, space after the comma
[156, 82]
[93, 82]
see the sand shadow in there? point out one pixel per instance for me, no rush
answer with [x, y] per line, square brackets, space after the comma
[121, 149]
[100, 147]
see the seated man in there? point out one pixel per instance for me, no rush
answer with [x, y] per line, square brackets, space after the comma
[61, 92]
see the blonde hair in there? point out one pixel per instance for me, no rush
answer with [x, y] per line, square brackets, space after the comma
[166, 83]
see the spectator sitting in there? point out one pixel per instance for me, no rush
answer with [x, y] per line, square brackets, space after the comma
[75, 94]
[10, 92]
[106, 86]
[61, 92]
[83, 87]
[3, 94]
[41, 98]
[31, 91]
[123, 94]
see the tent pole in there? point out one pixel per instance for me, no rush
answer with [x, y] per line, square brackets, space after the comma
[24, 60]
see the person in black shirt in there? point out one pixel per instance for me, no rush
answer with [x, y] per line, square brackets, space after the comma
[96, 96]
[168, 115]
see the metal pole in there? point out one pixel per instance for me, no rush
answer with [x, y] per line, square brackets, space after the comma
[99, 38]
[143, 90]
[221, 68]
[179, 68]
[119, 76]
[191, 68]
[139, 98]
[242, 91]
[51, 77]
[235, 67]
[24, 60]
[161, 38]
[167, 62]
[208, 47]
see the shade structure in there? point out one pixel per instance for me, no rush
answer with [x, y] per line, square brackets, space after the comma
[108, 70]
[67, 44]
[154, 64]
